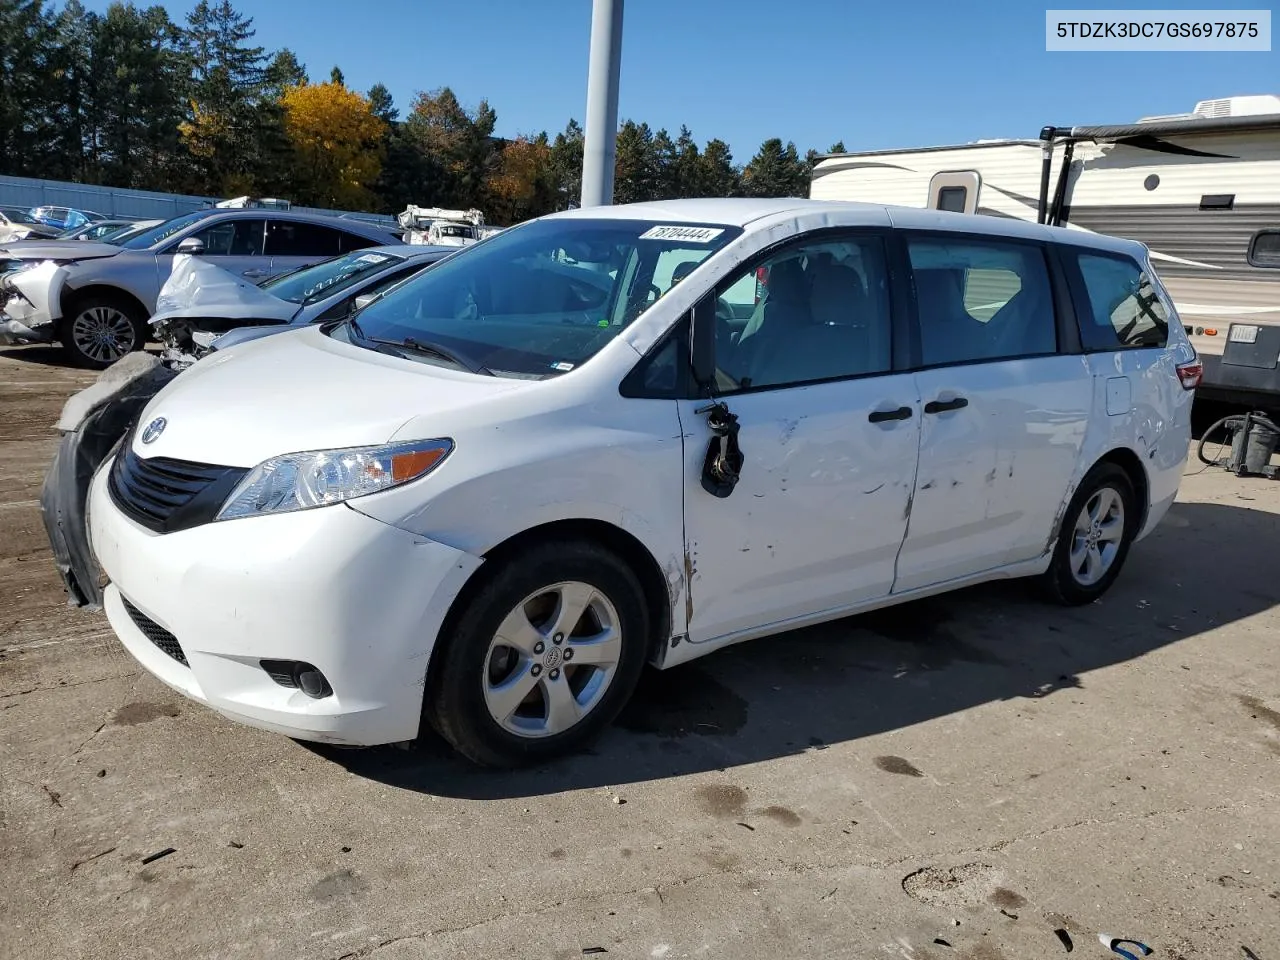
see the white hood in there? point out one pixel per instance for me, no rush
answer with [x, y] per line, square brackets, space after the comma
[300, 391]
[197, 288]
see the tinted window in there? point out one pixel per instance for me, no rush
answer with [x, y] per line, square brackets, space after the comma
[981, 300]
[353, 241]
[231, 238]
[952, 198]
[1124, 309]
[540, 299]
[163, 231]
[294, 238]
[818, 311]
[1264, 249]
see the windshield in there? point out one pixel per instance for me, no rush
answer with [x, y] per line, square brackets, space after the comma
[543, 298]
[325, 279]
[149, 238]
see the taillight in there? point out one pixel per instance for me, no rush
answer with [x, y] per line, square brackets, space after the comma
[1189, 373]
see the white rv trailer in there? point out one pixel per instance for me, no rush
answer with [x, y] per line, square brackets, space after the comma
[1201, 190]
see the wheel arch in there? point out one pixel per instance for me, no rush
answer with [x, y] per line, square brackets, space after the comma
[1128, 461]
[70, 297]
[657, 588]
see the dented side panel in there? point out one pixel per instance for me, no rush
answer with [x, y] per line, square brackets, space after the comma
[992, 473]
[818, 514]
[616, 461]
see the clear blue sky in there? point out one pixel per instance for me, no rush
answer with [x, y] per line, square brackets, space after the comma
[874, 73]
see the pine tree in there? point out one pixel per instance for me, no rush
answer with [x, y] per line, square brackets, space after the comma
[776, 171]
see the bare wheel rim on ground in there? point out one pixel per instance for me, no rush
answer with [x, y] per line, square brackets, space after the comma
[1098, 534]
[552, 659]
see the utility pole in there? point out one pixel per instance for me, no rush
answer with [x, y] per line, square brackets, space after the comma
[600, 148]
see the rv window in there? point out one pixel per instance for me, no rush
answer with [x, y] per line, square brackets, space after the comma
[1124, 310]
[952, 198]
[1264, 249]
[1218, 201]
[981, 300]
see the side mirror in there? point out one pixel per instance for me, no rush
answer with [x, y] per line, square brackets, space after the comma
[363, 301]
[192, 245]
[702, 347]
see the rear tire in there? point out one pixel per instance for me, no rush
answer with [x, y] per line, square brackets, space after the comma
[100, 329]
[1097, 530]
[521, 678]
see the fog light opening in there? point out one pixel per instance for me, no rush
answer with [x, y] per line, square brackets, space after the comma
[311, 681]
[300, 675]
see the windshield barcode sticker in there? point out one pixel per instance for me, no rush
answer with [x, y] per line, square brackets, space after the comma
[687, 234]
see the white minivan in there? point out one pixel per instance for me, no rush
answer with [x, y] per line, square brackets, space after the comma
[636, 434]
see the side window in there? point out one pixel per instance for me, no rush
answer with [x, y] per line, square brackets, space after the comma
[1124, 309]
[818, 311]
[952, 198]
[232, 238]
[294, 238]
[981, 300]
[353, 241]
[1264, 249]
[343, 306]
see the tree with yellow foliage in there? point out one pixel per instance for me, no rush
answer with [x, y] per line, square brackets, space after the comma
[337, 144]
[522, 186]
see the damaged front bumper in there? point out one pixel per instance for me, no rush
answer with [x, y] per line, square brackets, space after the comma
[27, 299]
[16, 332]
[92, 424]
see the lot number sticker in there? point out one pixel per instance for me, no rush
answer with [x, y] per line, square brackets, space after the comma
[687, 234]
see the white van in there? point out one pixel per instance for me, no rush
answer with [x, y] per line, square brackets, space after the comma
[637, 433]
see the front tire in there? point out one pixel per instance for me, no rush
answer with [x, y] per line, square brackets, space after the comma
[101, 329]
[1098, 528]
[542, 657]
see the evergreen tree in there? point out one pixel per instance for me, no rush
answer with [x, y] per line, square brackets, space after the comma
[776, 171]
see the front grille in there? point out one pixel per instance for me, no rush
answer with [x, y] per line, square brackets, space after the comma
[165, 495]
[157, 634]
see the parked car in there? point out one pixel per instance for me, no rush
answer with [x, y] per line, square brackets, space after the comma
[489, 497]
[94, 230]
[202, 307]
[17, 224]
[96, 298]
[64, 218]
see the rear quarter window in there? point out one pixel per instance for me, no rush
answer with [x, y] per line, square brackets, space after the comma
[1117, 304]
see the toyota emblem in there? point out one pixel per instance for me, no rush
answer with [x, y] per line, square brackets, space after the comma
[154, 429]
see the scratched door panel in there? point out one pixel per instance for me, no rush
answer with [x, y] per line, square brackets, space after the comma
[819, 513]
[993, 473]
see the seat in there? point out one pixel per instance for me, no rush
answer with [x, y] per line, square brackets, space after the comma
[835, 342]
[785, 306]
[947, 332]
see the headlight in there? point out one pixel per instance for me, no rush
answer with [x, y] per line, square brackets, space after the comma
[32, 264]
[299, 481]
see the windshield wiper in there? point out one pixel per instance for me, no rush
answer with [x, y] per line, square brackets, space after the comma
[414, 345]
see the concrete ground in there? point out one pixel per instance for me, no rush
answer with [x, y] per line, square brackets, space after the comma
[977, 777]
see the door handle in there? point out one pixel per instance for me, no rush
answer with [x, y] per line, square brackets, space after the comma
[881, 416]
[942, 406]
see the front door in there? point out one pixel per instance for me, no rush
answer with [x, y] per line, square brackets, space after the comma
[829, 436]
[1003, 414]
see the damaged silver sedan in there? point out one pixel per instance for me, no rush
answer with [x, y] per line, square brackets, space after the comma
[201, 303]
